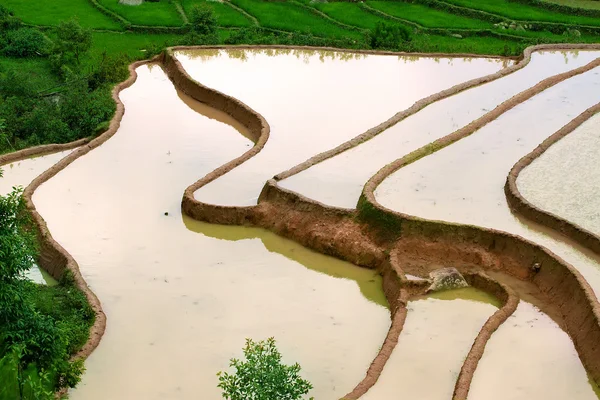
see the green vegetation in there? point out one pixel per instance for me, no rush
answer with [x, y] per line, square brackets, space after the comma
[52, 12]
[292, 17]
[40, 327]
[524, 12]
[226, 15]
[152, 13]
[586, 4]
[262, 376]
[427, 17]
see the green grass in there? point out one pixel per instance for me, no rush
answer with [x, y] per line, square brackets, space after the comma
[294, 18]
[226, 15]
[472, 45]
[52, 12]
[426, 16]
[128, 43]
[588, 4]
[524, 12]
[38, 70]
[349, 13]
[161, 13]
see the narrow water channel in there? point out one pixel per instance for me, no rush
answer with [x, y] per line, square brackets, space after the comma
[565, 180]
[464, 183]
[180, 298]
[339, 180]
[314, 101]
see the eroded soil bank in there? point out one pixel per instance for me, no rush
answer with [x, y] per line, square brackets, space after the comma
[565, 179]
[463, 183]
[181, 297]
[21, 173]
[338, 181]
[314, 101]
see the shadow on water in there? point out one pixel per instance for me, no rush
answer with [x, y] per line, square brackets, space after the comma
[369, 281]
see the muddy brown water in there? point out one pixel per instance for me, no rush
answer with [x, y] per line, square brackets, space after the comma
[181, 296]
[20, 174]
[339, 180]
[314, 101]
[565, 180]
[464, 183]
[437, 335]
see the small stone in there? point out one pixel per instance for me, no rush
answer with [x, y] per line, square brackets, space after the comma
[166, 213]
[536, 267]
[446, 279]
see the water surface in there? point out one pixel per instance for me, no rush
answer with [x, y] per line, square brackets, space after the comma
[181, 296]
[314, 101]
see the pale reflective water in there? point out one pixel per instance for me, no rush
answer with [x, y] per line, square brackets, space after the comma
[314, 101]
[565, 180]
[181, 296]
[437, 336]
[339, 180]
[464, 183]
[21, 173]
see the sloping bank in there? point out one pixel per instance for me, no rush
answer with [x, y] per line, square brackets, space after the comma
[364, 237]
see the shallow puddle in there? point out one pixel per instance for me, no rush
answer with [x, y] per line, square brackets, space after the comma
[565, 180]
[437, 336]
[181, 296]
[314, 101]
[465, 183]
[21, 173]
[339, 180]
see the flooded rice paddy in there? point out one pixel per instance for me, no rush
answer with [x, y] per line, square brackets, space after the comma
[181, 295]
[565, 180]
[464, 183]
[314, 101]
[339, 180]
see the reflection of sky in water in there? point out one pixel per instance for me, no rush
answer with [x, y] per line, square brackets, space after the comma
[313, 105]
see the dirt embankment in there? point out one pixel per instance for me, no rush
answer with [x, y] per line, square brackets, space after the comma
[520, 205]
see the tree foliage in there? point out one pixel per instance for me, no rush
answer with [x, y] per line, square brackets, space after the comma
[262, 376]
[389, 36]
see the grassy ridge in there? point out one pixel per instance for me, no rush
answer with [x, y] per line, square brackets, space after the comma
[294, 18]
[161, 13]
[428, 17]
[524, 12]
[51, 12]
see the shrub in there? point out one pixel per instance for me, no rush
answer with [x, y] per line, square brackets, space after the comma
[203, 20]
[26, 42]
[262, 376]
[389, 36]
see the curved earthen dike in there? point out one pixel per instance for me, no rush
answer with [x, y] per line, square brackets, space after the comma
[369, 236]
[520, 205]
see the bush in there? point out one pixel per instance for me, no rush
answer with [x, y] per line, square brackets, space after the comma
[388, 36]
[262, 376]
[203, 20]
[26, 42]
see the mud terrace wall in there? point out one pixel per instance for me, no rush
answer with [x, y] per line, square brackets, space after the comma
[368, 236]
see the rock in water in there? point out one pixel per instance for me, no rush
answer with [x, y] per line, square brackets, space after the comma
[446, 279]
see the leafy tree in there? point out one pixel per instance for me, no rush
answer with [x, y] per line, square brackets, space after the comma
[388, 36]
[203, 20]
[73, 39]
[262, 376]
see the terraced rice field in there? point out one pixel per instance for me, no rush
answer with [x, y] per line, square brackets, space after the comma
[328, 186]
